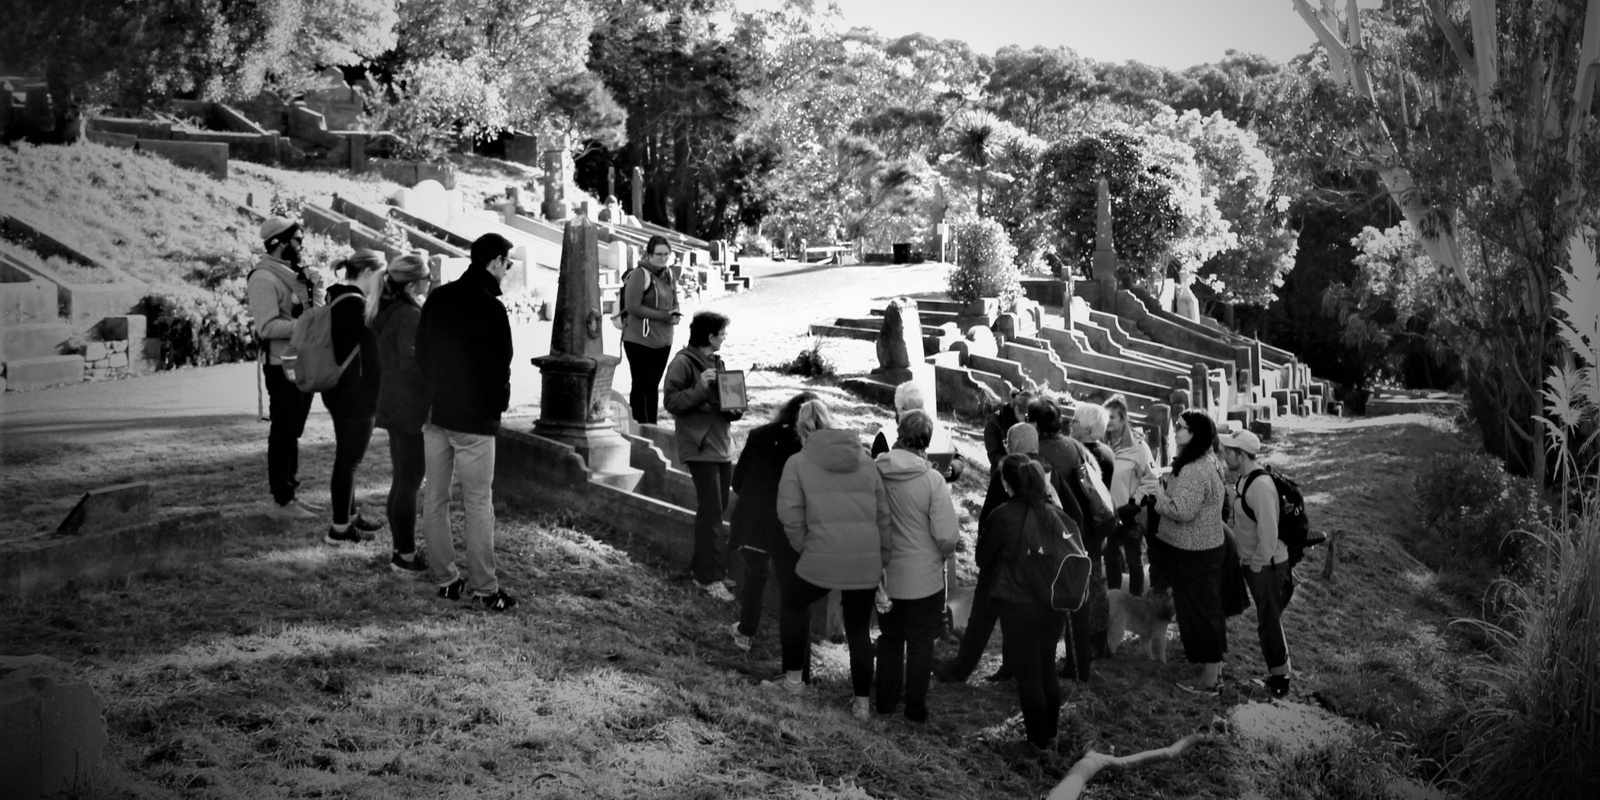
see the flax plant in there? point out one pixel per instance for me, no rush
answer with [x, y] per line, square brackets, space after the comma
[1536, 730]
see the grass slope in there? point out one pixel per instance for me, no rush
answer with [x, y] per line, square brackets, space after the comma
[290, 669]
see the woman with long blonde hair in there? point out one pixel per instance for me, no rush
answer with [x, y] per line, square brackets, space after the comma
[403, 401]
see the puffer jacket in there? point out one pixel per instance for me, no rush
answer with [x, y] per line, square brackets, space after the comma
[703, 433]
[835, 512]
[402, 392]
[755, 478]
[1002, 544]
[925, 527]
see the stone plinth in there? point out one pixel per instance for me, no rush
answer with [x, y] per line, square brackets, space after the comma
[576, 391]
[899, 341]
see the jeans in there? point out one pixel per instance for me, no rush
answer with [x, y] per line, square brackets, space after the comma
[646, 364]
[980, 626]
[472, 454]
[794, 629]
[711, 480]
[409, 461]
[1266, 591]
[905, 653]
[288, 407]
[1196, 581]
[351, 435]
[1030, 632]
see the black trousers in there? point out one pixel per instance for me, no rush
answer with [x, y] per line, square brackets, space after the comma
[794, 629]
[646, 365]
[1197, 599]
[409, 464]
[288, 407]
[1122, 554]
[980, 626]
[753, 588]
[711, 486]
[1266, 591]
[351, 435]
[905, 653]
[1031, 632]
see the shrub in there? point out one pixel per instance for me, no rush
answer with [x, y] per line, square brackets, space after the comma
[199, 327]
[1480, 511]
[986, 263]
[810, 363]
[755, 245]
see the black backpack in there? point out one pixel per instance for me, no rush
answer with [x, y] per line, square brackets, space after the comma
[1294, 529]
[1055, 566]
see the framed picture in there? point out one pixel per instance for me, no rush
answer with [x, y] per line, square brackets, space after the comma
[730, 391]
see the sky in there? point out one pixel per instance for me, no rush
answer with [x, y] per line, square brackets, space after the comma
[1167, 33]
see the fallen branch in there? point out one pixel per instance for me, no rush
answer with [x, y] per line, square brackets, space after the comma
[1084, 771]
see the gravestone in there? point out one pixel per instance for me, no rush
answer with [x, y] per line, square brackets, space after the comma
[428, 200]
[576, 374]
[980, 341]
[553, 162]
[1184, 303]
[52, 729]
[637, 188]
[899, 341]
[109, 507]
[1105, 252]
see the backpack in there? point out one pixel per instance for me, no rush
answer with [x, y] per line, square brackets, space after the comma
[1294, 529]
[1093, 488]
[1055, 568]
[619, 320]
[311, 345]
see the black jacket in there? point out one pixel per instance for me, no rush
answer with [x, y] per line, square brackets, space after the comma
[755, 477]
[357, 392]
[464, 351]
[994, 433]
[1002, 544]
[402, 394]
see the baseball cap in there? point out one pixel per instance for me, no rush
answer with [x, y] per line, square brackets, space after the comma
[1243, 440]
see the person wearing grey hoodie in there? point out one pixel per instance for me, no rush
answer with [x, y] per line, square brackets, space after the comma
[925, 533]
[835, 514]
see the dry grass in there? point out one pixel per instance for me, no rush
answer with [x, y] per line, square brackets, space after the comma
[290, 669]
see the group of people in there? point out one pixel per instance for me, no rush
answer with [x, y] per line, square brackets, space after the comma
[431, 368]
[806, 499]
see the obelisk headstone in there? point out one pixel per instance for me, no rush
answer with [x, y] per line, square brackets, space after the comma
[553, 150]
[577, 373]
[638, 193]
[1105, 253]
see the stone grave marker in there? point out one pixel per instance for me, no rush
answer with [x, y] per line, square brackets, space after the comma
[899, 341]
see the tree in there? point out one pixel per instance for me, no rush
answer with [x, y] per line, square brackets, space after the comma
[1239, 176]
[440, 103]
[1049, 92]
[1159, 216]
[976, 139]
[1477, 116]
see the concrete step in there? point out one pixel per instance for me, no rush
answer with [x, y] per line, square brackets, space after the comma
[928, 317]
[34, 340]
[37, 373]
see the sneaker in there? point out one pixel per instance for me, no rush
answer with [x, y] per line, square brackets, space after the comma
[1278, 685]
[861, 708]
[363, 524]
[717, 591]
[453, 589]
[289, 512]
[416, 565]
[312, 507]
[782, 684]
[740, 640]
[349, 535]
[499, 601]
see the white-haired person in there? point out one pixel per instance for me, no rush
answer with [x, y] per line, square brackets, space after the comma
[1089, 623]
[909, 396]
[925, 534]
[835, 514]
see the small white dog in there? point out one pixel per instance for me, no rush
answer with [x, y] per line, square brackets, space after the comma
[1146, 616]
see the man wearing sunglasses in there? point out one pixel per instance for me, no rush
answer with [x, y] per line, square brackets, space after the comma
[279, 291]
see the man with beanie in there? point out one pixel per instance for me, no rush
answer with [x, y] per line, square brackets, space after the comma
[279, 291]
[463, 349]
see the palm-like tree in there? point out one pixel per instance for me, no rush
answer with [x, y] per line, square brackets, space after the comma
[977, 136]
